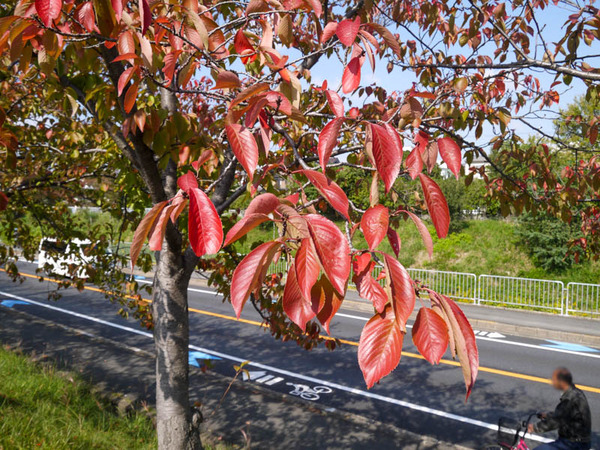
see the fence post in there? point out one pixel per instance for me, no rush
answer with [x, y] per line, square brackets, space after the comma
[478, 290]
[566, 300]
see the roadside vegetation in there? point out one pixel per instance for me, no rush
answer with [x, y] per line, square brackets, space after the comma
[529, 247]
[505, 250]
[41, 407]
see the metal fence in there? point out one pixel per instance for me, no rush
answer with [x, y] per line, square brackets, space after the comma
[521, 292]
[583, 298]
[496, 290]
[456, 285]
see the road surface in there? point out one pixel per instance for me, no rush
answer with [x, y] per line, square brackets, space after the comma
[418, 397]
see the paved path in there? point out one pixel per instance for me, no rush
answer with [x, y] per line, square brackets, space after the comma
[416, 397]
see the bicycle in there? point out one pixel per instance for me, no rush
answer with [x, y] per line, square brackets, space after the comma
[511, 433]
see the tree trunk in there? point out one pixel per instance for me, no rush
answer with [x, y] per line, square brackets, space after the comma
[177, 427]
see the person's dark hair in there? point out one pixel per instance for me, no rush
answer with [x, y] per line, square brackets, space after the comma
[564, 374]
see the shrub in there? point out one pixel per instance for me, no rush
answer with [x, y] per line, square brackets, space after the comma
[546, 239]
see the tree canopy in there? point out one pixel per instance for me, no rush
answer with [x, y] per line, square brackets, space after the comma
[186, 107]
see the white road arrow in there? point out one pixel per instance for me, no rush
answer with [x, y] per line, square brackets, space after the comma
[495, 335]
[253, 375]
[488, 334]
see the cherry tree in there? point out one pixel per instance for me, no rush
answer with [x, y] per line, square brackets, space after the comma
[195, 106]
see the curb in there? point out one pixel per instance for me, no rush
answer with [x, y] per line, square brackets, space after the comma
[534, 332]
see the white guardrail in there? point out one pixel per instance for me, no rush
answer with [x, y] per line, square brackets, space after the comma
[512, 292]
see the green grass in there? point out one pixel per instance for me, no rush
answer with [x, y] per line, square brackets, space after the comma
[481, 247]
[43, 408]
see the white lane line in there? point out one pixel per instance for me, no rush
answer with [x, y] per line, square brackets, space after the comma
[481, 338]
[500, 341]
[371, 395]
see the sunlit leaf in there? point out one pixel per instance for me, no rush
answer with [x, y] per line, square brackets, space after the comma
[436, 204]
[204, 224]
[380, 346]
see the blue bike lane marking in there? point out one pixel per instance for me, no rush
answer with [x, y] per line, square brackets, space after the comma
[569, 347]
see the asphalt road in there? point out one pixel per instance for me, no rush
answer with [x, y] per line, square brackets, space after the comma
[416, 396]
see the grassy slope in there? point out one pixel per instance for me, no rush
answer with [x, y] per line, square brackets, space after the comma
[39, 408]
[481, 247]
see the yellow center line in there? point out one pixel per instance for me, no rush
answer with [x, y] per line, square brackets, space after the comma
[448, 362]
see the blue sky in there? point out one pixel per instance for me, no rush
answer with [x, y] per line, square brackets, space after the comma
[551, 22]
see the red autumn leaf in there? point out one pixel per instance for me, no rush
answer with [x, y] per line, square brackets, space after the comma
[351, 76]
[380, 346]
[125, 78]
[330, 190]
[394, 240]
[463, 339]
[400, 287]
[125, 43]
[390, 40]
[374, 225]
[297, 307]
[387, 157]
[307, 267]
[244, 147]
[249, 222]
[142, 230]
[347, 30]
[593, 134]
[411, 109]
[187, 182]
[180, 203]
[335, 102]
[328, 31]
[293, 198]
[256, 6]
[296, 224]
[262, 204]
[328, 139]
[332, 250]
[48, 10]
[421, 139]
[429, 155]
[204, 224]
[414, 163]
[170, 61]
[367, 47]
[227, 80]
[86, 17]
[279, 102]
[145, 15]
[249, 92]
[127, 56]
[255, 108]
[3, 201]
[425, 235]
[436, 204]
[367, 287]
[328, 300]
[396, 139]
[450, 153]
[316, 7]
[130, 96]
[430, 335]
[246, 275]
[243, 46]
[118, 8]
[157, 233]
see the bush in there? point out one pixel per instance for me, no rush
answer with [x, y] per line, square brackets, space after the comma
[546, 239]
